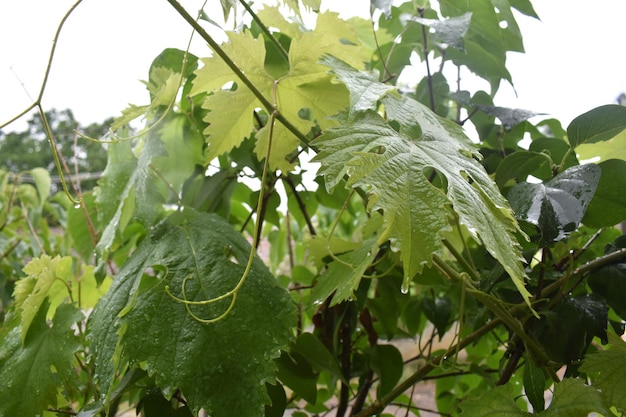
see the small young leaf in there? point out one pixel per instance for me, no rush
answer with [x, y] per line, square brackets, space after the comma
[32, 290]
[558, 206]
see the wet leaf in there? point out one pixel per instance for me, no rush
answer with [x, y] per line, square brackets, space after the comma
[450, 31]
[198, 256]
[557, 206]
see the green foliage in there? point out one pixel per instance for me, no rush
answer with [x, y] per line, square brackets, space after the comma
[293, 215]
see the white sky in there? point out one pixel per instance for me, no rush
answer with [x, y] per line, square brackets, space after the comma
[575, 57]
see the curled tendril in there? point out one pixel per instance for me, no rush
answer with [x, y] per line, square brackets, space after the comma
[232, 294]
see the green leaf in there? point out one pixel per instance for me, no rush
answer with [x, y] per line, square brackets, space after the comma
[497, 402]
[32, 290]
[344, 274]
[197, 256]
[306, 86]
[311, 348]
[386, 361]
[608, 372]
[438, 312]
[566, 331]
[393, 166]
[451, 31]
[42, 180]
[296, 373]
[608, 205]
[558, 206]
[519, 165]
[365, 90]
[509, 117]
[534, 385]
[610, 281]
[598, 125]
[572, 398]
[32, 373]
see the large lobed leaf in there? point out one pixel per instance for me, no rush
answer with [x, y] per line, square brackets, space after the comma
[392, 164]
[221, 367]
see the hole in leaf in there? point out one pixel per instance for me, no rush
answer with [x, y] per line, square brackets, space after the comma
[436, 178]
[504, 24]
[304, 113]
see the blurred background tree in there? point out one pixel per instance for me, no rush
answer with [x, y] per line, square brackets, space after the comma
[21, 151]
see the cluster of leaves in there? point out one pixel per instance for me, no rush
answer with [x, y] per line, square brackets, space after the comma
[498, 257]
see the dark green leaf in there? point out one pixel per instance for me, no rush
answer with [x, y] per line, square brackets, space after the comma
[608, 205]
[534, 385]
[279, 400]
[566, 331]
[600, 124]
[32, 373]
[438, 311]
[311, 348]
[519, 165]
[558, 206]
[610, 282]
[197, 256]
[295, 372]
[387, 362]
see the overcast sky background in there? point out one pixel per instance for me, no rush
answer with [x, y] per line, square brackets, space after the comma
[575, 56]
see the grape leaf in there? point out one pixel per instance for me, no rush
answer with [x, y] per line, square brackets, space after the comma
[497, 402]
[214, 365]
[391, 164]
[306, 86]
[30, 372]
[608, 372]
[32, 290]
[572, 398]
